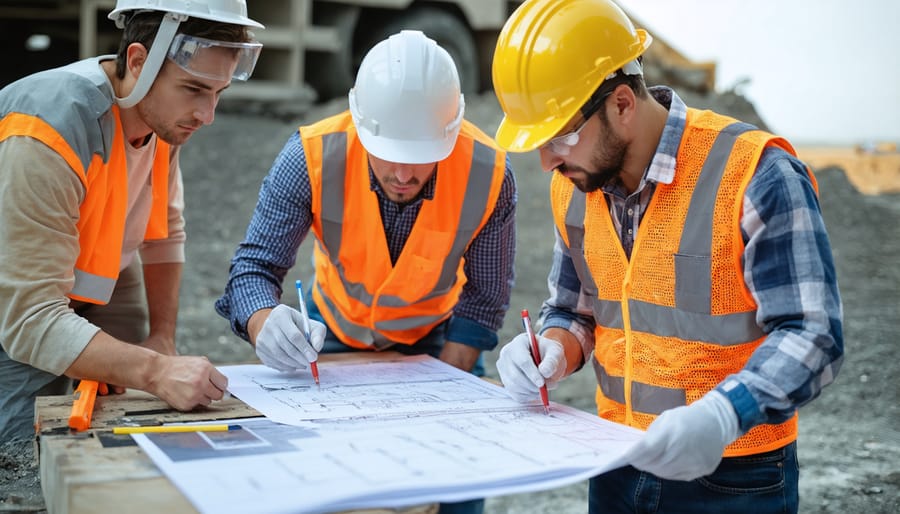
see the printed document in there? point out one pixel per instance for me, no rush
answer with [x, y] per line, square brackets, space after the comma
[383, 434]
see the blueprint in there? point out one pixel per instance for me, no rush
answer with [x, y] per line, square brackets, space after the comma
[432, 435]
[404, 386]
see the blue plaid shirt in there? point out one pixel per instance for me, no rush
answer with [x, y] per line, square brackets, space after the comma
[788, 268]
[282, 220]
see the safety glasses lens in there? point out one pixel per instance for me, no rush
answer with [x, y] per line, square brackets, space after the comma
[216, 60]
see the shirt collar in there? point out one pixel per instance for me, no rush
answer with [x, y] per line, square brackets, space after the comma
[662, 166]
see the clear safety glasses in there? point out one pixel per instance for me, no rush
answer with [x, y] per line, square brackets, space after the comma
[216, 60]
[562, 145]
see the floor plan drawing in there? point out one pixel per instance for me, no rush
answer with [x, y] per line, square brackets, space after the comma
[408, 385]
[385, 434]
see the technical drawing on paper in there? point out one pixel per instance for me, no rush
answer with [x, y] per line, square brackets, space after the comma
[334, 464]
[412, 385]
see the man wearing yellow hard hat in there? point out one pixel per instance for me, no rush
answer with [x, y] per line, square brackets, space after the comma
[691, 272]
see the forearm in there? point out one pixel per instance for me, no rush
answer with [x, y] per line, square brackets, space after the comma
[572, 348]
[256, 322]
[280, 222]
[789, 271]
[568, 310]
[162, 282]
[459, 355]
[110, 360]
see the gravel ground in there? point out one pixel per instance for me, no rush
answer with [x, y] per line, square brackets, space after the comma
[849, 438]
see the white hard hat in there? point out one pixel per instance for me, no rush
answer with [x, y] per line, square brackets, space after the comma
[225, 11]
[406, 104]
[185, 51]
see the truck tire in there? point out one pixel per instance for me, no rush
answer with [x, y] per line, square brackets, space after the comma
[446, 28]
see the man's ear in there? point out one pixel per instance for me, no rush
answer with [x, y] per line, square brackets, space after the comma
[623, 104]
[135, 57]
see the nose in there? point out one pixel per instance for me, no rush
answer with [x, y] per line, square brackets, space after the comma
[549, 160]
[206, 112]
[403, 174]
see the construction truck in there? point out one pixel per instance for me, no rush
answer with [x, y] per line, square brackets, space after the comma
[309, 45]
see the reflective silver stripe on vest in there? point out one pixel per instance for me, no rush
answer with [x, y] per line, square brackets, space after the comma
[334, 150]
[723, 330]
[575, 234]
[693, 287]
[645, 398]
[357, 332]
[690, 319]
[92, 286]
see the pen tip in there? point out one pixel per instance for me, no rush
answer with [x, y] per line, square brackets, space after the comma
[233, 427]
[546, 409]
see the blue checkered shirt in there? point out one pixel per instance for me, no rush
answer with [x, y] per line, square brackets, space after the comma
[788, 268]
[282, 220]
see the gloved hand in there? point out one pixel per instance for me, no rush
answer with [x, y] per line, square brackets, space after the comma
[281, 344]
[521, 378]
[687, 442]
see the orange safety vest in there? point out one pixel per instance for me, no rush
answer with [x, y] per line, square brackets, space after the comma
[102, 170]
[677, 318]
[367, 301]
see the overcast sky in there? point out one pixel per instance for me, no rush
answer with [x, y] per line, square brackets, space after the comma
[822, 71]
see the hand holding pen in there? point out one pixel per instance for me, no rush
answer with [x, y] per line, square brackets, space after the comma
[289, 340]
[530, 365]
[536, 358]
[314, 366]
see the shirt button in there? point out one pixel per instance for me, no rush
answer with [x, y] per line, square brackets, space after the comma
[631, 212]
[629, 232]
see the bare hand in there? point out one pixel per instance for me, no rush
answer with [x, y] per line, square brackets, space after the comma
[186, 382]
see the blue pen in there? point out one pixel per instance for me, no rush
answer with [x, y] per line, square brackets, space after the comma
[313, 365]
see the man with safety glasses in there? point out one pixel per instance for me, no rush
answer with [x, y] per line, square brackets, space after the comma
[92, 233]
[691, 273]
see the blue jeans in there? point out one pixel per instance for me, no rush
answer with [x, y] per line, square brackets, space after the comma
[430, 344]
[754, 484]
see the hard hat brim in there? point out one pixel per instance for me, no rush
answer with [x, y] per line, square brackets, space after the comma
[407, 151]
[525, 138]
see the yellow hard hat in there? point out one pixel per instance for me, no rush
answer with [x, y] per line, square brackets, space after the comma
[550, 57]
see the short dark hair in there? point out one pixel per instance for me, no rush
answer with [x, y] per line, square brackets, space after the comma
[141, 28]
[635, 82]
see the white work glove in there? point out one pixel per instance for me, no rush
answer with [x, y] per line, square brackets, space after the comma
[687, 442]
[521, 378]
[281, 344]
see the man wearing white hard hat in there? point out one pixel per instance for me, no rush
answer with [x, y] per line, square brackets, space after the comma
[413, 212]
[92, 233]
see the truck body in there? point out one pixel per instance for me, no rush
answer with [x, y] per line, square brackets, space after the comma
[310, 46]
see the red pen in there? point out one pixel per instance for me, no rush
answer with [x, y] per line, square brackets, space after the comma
[536, 356]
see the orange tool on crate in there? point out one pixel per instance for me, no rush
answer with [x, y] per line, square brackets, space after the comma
[83, 404]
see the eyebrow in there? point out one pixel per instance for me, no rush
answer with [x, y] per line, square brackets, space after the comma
[203, 85]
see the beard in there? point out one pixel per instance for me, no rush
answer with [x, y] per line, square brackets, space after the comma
[606, 163]
[148, 111]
